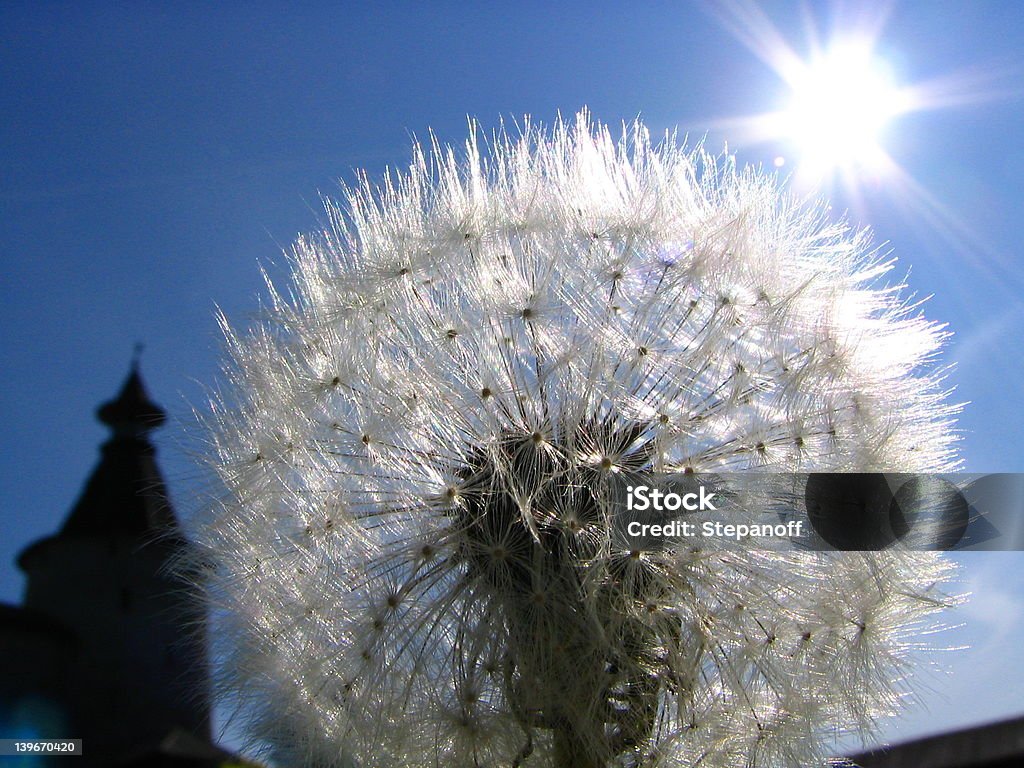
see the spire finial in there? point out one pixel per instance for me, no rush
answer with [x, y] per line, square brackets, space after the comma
[137, 354]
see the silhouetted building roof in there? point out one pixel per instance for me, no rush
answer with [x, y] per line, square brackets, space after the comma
[995, 745]
[180, 749]
[125, 493]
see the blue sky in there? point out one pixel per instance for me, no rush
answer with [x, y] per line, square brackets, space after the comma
[152, 159]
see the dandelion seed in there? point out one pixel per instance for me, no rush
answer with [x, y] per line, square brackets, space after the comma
[570, 307]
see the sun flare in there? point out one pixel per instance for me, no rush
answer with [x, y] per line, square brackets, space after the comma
[841, 103]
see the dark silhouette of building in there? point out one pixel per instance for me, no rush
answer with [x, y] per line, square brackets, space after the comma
[993, 745]
[109, 645]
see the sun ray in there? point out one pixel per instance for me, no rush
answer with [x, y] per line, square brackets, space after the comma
[966, 243]
[967, 87]
[755, 31]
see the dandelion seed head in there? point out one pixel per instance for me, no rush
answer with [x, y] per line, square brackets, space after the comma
[412, 551]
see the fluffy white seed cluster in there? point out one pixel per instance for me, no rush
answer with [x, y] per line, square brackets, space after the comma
[412, 549]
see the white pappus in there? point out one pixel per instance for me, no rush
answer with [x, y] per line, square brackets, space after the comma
[410, 553]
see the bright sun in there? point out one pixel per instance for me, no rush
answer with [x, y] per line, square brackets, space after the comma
[841, 102]
[838, 110]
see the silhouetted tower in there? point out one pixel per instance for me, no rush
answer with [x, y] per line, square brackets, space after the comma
[140, 668]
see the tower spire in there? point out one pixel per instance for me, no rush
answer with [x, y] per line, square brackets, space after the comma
[132, 413]
[140, 670]
[125, 493]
